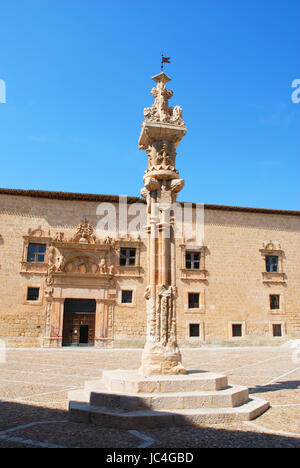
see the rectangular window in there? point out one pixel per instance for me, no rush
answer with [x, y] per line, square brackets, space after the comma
[36, 253]
[194, 330]
[272, 264]
[33, 294]
[277, 330]
[194, 300]
[192, 260]
[236, 330]
[126, 297]
[274, 301]
[127, 257]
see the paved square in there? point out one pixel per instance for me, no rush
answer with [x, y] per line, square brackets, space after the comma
[34, 384]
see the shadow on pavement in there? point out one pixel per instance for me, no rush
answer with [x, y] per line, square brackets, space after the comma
[35, 426]
[277, 386]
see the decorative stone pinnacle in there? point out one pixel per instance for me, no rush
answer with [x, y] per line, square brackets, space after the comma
[160, 112]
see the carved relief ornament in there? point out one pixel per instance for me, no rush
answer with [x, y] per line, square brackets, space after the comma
[84, 233]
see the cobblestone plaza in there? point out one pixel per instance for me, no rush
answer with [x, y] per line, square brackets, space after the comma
[34, 384]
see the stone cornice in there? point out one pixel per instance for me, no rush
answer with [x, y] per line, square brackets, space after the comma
[115, 199]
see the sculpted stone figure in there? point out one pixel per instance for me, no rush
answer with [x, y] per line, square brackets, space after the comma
[109, 241]
[148, 113]
[59, 237]
[103, 267]
[49, 286]
[60, 263]
[177, 116]
[147, 292]
[51, 257]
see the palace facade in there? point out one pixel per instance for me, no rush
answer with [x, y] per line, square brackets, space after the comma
[63, 285]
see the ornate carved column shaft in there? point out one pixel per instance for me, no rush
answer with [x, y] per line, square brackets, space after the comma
[162, 130]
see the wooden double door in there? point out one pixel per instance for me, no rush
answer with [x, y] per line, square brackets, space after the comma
[79, 322]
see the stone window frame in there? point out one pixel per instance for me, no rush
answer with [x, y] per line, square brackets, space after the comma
[201, 308]
[281, 309]
[189, 300]
[195, 339]
[131, 297]
[272, 249]
[39, 302]
[128, 257]
[35, 296]
[283, 328]
[189, 273]
[36, 253]
[129, 270]
[272, 264]
[271, 297]
[126, 287]
[243, 323]
[35, 237]
[193, 260]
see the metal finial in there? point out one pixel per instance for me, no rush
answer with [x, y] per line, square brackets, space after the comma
[164, 60]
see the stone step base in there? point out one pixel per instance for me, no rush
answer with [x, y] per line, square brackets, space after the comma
[148, 419]
[97, 395]
[126, 400]
[129, 381]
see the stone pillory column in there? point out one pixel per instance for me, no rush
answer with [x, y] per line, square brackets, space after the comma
[153, 396]
[162, 131]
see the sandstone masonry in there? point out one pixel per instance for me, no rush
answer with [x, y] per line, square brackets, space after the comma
[229, 297]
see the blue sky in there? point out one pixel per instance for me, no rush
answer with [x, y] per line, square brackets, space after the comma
[78, 75]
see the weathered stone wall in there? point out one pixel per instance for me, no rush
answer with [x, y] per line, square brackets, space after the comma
[232, 289]
[23, 324]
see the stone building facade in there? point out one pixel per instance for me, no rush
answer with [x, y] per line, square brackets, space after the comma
[62, 284]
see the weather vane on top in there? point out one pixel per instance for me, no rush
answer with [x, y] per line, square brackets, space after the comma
[164, 60]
